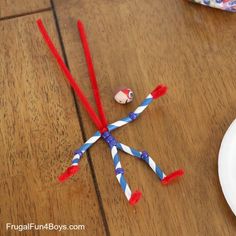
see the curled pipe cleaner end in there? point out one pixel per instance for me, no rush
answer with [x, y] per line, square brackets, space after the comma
[135, 197]
[68, 173]
[159, 91]
[172, 176]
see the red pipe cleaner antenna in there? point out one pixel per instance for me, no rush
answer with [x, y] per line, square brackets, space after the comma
[70, 78]
[91, 71]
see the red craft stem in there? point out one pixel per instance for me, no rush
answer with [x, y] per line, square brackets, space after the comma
[70, 78]
[68, 173]
[135, 197]
[172, 176]
[91, 71]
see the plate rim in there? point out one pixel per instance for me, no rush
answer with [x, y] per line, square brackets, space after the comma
[221, 172]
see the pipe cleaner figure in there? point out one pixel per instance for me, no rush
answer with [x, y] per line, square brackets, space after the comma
[104, 129]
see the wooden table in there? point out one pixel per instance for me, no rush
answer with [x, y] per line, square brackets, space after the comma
[136, 43]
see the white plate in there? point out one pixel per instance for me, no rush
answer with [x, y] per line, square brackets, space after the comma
[227, 166]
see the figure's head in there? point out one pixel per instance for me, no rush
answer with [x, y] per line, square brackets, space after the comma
[124, 96]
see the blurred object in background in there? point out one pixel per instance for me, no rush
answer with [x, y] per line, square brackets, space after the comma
[227, 5]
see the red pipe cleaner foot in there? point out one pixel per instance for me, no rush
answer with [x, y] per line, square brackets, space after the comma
[172, 176]
[159, 91]
[135, 197]
[68, 173]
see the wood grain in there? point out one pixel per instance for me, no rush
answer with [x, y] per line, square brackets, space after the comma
[191, 49]
[39, 130]
[16, 7]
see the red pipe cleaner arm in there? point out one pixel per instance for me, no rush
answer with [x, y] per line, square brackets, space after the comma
[91, 71]
[70, 78]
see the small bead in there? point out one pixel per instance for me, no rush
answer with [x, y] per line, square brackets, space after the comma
[124, 96]
[144, 156]
[105, 134]
[78, 152]
[132, 116]
[109, 139]
[119, 171]
[112, 143]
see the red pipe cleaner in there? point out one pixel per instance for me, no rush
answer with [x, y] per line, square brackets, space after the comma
[68, 173]
[70, 78]
[172, 176]
[91, 71]
[159, 91]
[135, 197]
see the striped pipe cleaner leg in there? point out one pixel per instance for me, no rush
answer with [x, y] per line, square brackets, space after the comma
[144, 156]
[119, 171]
[78, 154]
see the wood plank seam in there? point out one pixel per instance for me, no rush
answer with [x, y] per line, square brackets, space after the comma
[64, 56]
[139, 43]
[25, 14]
